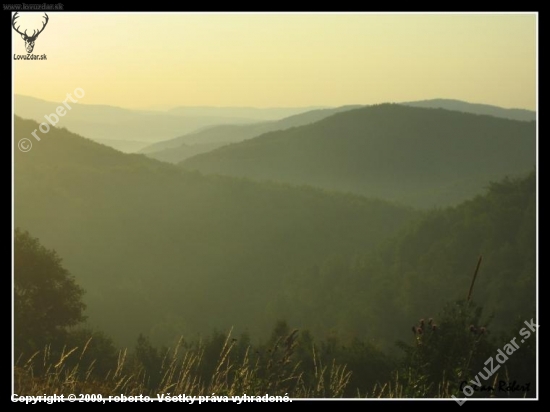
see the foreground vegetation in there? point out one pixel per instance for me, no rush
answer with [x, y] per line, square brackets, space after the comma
[440, 356]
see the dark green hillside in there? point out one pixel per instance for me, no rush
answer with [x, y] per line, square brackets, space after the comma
[430, 263]
[422, 157]
[164, 251]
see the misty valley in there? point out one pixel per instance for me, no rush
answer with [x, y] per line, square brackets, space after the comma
[379, 251]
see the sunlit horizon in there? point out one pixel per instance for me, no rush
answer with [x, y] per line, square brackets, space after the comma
[157, 60]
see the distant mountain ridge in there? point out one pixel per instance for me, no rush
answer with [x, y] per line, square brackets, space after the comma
[207, 139]
[419, 156]
[475, 108]
[131, 130]
[114, 125]
[210, 138]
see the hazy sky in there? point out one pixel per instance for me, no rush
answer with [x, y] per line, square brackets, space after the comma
[269, 60]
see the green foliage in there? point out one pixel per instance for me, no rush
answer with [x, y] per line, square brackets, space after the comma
[47, 299]
[459, 348]
[452, 351]
[149, 359]
[97, 354]
[427, 264]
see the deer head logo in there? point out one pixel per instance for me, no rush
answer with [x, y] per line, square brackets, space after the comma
[29, 40]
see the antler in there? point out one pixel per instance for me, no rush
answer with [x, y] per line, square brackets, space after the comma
[15, 16]
[34, 35]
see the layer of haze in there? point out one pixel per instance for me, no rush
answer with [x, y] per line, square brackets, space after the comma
[269, 60]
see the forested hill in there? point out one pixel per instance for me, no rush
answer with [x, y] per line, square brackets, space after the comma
[166, 252]
[431, 262]
[418, 156]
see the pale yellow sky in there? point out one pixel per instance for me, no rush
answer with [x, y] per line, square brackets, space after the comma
[269, 60]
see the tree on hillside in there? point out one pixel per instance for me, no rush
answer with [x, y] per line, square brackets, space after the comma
[46, 298]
